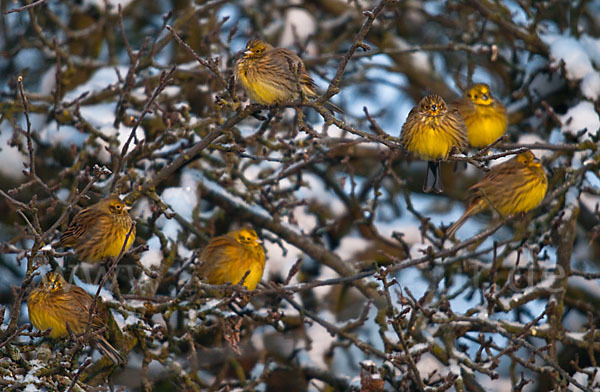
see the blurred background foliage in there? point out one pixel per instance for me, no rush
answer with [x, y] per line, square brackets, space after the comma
[106, 83]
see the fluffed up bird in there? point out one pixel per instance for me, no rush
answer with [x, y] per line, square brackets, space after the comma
[274, 76]
[100, 230]
[485, 116]
[227, 258]
[54, 303]
[431, 131]
[515, 186]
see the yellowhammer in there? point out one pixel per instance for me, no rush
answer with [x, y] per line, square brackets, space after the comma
[431, 131]
[273, 76]
[100, 230]
[485, 116]
[54, 303]
[517, 185]
[227, 258]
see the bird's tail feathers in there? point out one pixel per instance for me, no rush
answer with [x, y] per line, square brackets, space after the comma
[473, 209]
[109, 350]
[433, 178]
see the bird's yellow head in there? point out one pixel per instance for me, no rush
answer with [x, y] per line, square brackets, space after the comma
[113, 205]
[480, 94]
[528, 159]
[247, 237]
[256, 49]
[432, 105]
[53, 281]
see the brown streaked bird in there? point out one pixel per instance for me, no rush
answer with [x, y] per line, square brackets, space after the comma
[485, 116]
[100, 230]
[273, 76]
[54, 303]
[431, 131]
[515, 186]
[227, 258]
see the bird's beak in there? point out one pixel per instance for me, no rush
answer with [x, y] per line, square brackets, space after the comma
[259, 241]
[247, 52]
[127, 208]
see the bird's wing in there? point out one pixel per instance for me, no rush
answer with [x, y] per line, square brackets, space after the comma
[293, 64]
[214, 252]
[405, 134]
[84, 303]
[77, 227]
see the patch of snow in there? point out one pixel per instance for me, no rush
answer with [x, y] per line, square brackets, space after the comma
[153, 256]
[12, 159]
[579, 117]
[102, 116]
[584, 379]
[321, 342]
[64, 135]
[590, 85]
[498, 385]
[589, 286]
[170, 91]
[577, 55]
[530, 138]
[101, 79]
[277, 263]
[169, 227]
[298, 22]
[112, 3]
[428, 364]
[315, 189]
[183, 199]
[91, 288]
[592, 47]
[571, 52]
[48, 81]
[590, 201]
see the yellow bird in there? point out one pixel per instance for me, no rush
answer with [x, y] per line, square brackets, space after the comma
[54, 303]
[273, 76]
[485, 116]
[227, 258]
[99, 231]
[515, 186]
[431, 131]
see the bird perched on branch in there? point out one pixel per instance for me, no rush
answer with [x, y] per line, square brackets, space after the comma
[227, 259]
[56, 304]
[273, 76]
[431, 131]
[485, 116]
[100, 230]
[517, 185]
